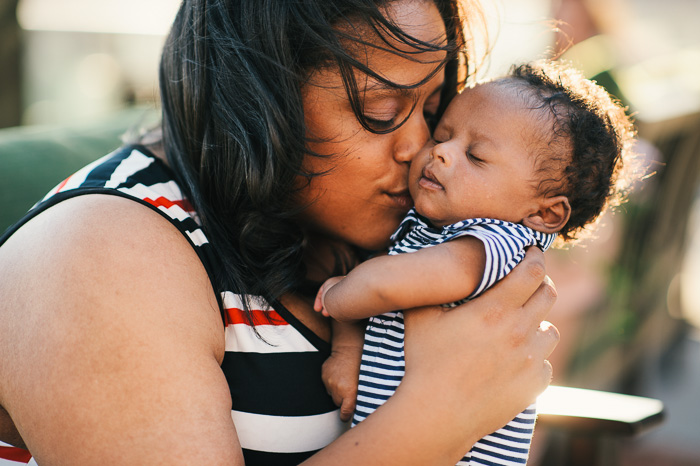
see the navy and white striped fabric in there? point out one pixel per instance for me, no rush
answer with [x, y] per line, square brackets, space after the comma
[383, 354]
[505, 242]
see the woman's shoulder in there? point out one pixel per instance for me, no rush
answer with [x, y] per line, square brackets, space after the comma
[101, 230]
[109, 251]
[122, 212]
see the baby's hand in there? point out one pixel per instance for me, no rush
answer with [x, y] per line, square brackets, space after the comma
[319, 304]
[340, 374]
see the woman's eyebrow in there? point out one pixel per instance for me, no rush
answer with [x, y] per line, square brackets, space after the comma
[384, 90]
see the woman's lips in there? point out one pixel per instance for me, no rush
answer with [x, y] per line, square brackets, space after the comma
[429, 181]
[401, 199]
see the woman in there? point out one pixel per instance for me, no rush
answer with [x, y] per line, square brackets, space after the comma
[289, 128]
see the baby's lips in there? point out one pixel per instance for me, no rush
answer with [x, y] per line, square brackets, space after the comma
[430, 176]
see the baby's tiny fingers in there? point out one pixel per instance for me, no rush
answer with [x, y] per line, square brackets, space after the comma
[346, 409]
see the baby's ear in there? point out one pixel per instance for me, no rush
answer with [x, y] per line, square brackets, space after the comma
[553, 214]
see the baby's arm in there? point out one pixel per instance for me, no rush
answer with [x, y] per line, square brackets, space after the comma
[439, 274]
[340, 372]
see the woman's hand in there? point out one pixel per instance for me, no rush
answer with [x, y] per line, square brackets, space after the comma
[483, 362]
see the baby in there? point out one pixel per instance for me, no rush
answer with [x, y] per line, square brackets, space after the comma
[514, 162]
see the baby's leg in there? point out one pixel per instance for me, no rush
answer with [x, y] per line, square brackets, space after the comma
[509, 445]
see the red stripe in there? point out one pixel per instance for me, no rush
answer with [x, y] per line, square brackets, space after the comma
[237, 316]
[167, 203]
[15, 454]
[63, 183]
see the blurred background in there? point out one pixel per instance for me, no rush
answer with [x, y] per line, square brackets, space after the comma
[629, 298]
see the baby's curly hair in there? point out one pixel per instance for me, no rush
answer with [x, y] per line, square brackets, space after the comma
[591, 137]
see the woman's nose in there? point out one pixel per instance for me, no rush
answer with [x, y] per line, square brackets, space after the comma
[412, 136]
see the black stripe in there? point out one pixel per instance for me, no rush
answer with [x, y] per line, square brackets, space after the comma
[99, 175]
[157, 172]
[286, 384]
[320, 344]
[261, 458]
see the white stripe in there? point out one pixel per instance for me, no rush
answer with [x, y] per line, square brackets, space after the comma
[145, 192]
[275, 339]
[379, 342]
[174, 211]
[510, 442]
[370, 368]
[169, 190]
[198, 238]
[78, 177]
[135, 162]
[235, 301]
[372, 360]
[503, 462]
[287, 434]
[379, 376]
[519, 425]
[383, 394]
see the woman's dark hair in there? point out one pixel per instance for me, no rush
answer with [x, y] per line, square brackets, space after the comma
[591, 137]
[233, 123]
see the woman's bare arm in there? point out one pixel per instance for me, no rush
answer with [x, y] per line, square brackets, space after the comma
[440, 274]
[112, 340]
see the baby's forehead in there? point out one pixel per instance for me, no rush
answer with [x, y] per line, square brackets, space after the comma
[505, 88]
[511, 100]
[504, 98]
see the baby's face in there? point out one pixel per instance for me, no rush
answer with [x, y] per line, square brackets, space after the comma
[480, 161]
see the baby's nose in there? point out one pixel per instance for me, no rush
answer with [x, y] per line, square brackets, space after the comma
[442, 153]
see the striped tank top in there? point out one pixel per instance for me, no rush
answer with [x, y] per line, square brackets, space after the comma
[383, 364]
[280, 406]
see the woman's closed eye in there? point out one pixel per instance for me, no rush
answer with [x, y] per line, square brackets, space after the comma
[382, 113]
[380, 123]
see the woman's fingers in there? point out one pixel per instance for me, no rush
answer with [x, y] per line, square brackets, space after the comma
[550, 335]
[523, 283]
[540, 302]
[526, 294]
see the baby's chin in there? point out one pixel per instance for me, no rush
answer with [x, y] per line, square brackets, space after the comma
[429, 214]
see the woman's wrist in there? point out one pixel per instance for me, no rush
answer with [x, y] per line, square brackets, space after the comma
[407, 430]
[452, 426]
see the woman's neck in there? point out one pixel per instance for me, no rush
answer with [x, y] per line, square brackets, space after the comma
[325, 257]
[153, 140]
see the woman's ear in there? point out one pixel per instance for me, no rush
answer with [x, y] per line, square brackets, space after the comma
[552, 215]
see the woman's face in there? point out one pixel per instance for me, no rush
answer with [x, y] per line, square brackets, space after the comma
[363, 194]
